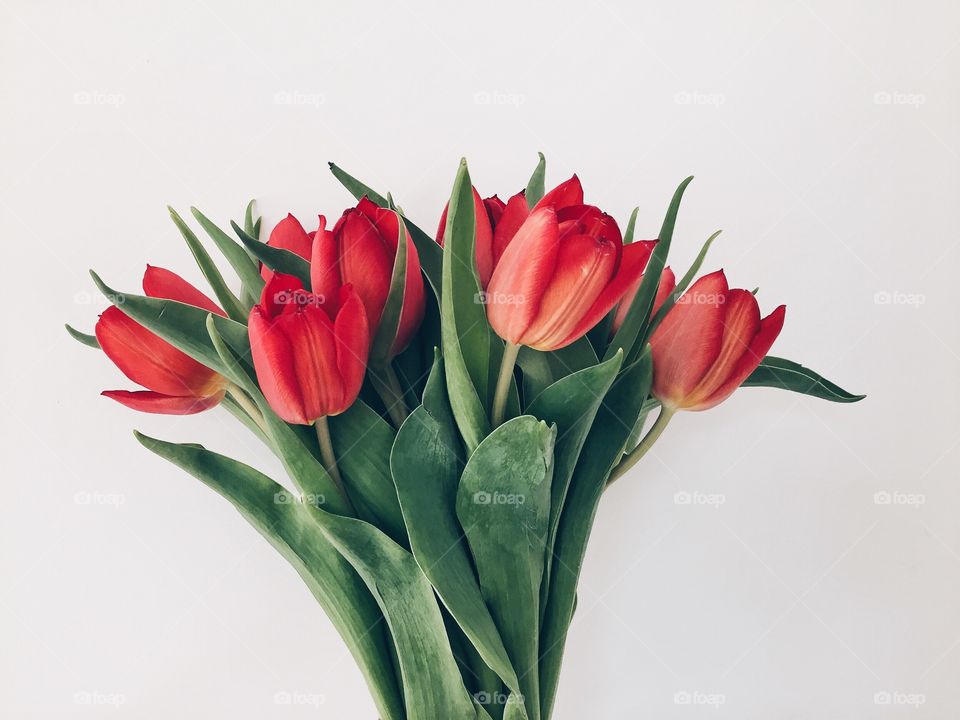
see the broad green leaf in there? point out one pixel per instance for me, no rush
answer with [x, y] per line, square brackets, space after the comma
[467, 341]
[426, 463]
[235, 254]
[431, 261]
[601, 451]
[683, 284]
[83, 338]
[633, 332]
[503, 504]
[277, 259]
[228, 301]
[362, 441]
[787, 375]
[541, 369]
[571, 404]
[535, 188]
[432, 685]
[289, 526]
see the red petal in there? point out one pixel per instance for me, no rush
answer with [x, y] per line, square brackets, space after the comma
[484, 240]
[522, 275]
[152, 402]
[352, 342]
[365, 262]
[310, 334]
[273, 361]
[514, 214]
[667, 283]
[279, 294]
[151, 361]
[167, 285]
[495, 207]
[688, 340]
[414, 301]
[325, 278]
[442, 226]
[563, 195]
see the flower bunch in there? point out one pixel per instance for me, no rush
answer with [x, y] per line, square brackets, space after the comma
[449, 411]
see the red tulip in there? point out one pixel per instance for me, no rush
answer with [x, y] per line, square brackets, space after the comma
[708, 344]
[561, 273]
[177, 384]
[487, 213]
[667, 283]
[289, 235]
[309, 351]
[361, 251]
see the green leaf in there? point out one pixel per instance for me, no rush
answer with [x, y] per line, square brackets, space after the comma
[249, 224]
[386, 333]
[571, 404]
[466, 336]
[277, 259]
[426, 462]
[683, 284]
[602, 450]
[535, 187]
[631, 227]
[633, 332]
[541, 369]
[788, 375]
[503, 504]
[83, 338]
[235, 254]
[289, 526]
[431, 260]
[362, 441]
[228, 301]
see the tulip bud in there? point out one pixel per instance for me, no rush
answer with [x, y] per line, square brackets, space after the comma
[289, 235]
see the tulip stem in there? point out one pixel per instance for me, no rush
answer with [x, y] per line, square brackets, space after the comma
[510, 352]
[327, 454]
[249, 407]
[387, 385]
[633, 457]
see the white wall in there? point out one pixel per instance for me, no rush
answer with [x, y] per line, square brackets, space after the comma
[798, 597]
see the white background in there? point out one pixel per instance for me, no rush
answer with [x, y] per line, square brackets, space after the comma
[824, 139]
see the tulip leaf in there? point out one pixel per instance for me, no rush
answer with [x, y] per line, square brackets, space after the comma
[277, 259]
[228, 301]
[426, 461]
[788, 375]
[432, 685]
[363, 440]
[602, 450]
[289, 526]
[535, 186]
[386, 331]
[466, 336]
[683, 284]
[631, 227]
[541, 369]
[632, 334]
[235, 254]
[503, 504]
[431, 256]
[83, 338]
[571, 404]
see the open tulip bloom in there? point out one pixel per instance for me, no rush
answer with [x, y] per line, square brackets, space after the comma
[449, 412]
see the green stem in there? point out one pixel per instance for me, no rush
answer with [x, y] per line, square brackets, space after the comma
[326, 453]
[387, 385]
[249, 407]
[633, 457]
[510, 352]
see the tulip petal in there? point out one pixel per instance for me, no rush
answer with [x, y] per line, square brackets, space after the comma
[513, 216]
[279, 294]
[325, 277]
[164, 284]
[688, 340]
[414, 301]
[589, 220]
[365, 261]
[668, 282]
[309, 331]
[289, 235]
[352, 336]
[276, 373]
[150, 361]
[160, 404]
[522, 275]
[563, 195]
[495, 207]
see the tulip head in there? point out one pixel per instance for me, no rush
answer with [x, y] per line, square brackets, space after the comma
[708, 344]
[360, 251]
[289, 235]
[176, 383]
[309, 351]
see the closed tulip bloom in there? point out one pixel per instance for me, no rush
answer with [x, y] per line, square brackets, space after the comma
[309, 351]
[667, 283]
[289, 235]
[360, 251]
[487, 213]
[560, 274]
[709, 343]
[176, 383]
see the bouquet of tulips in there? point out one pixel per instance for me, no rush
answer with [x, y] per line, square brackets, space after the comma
[448, 410]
